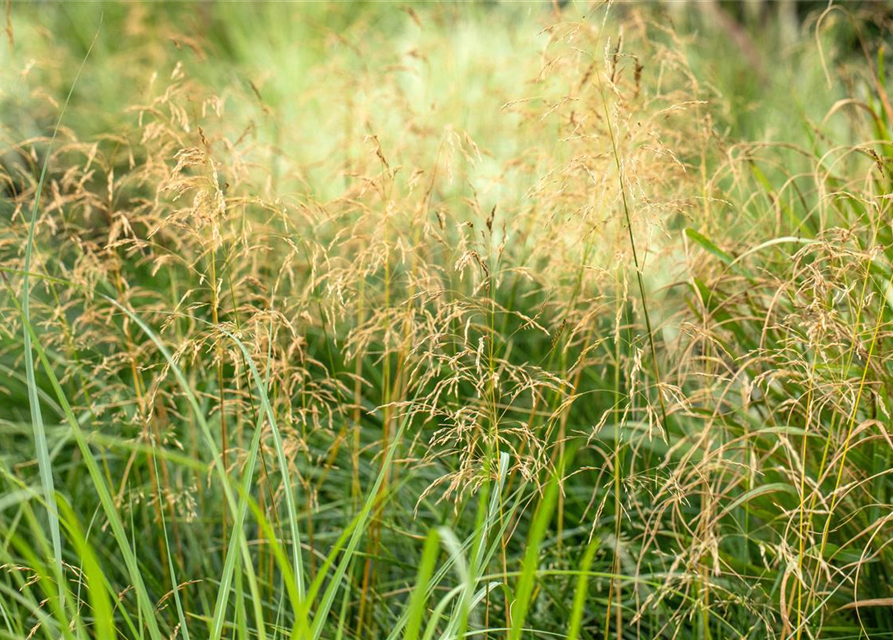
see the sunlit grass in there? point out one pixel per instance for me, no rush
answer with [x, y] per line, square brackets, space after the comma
[332, 321]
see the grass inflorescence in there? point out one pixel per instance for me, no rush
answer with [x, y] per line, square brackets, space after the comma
[327, 321]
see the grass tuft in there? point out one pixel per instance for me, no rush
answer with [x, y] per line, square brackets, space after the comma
[498, 320]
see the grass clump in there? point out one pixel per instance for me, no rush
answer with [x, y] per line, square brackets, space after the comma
[444, 321]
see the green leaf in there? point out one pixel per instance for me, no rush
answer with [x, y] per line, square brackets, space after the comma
[582, 590]
[531, 559]
[44, 464]
[100, 601]
[420, 593]
[775, 487]
[708, 246]
[101, 488]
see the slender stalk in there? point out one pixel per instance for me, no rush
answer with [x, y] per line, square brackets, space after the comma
[632, 244]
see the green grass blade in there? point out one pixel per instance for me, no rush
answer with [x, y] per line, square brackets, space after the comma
[283, 462]
[453, 558]
[371, 499]
[147, 610]
[773, 487]
[236, 538]
[708, 246]
[420, 592]
[582, 590]
[100, 602]
[44, 463]
[175, 589]
[531, 559]
[226, 580]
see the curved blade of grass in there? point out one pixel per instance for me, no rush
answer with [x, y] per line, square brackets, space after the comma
[486, 516]
[709, 246]
[437, 614]
[449, 563]
[371, 499]
[100, 602]
[102, 490]
[32, 551]
[226, 578]
[217, 621]
[170, 565]
[453, 629]
[582, 590]
[772, 243]
[420, 593]
[236, 538]
[773, 487]
[283, 462]
[531, 559]
[40, 440]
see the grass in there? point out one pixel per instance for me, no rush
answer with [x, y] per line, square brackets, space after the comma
[332, 321]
